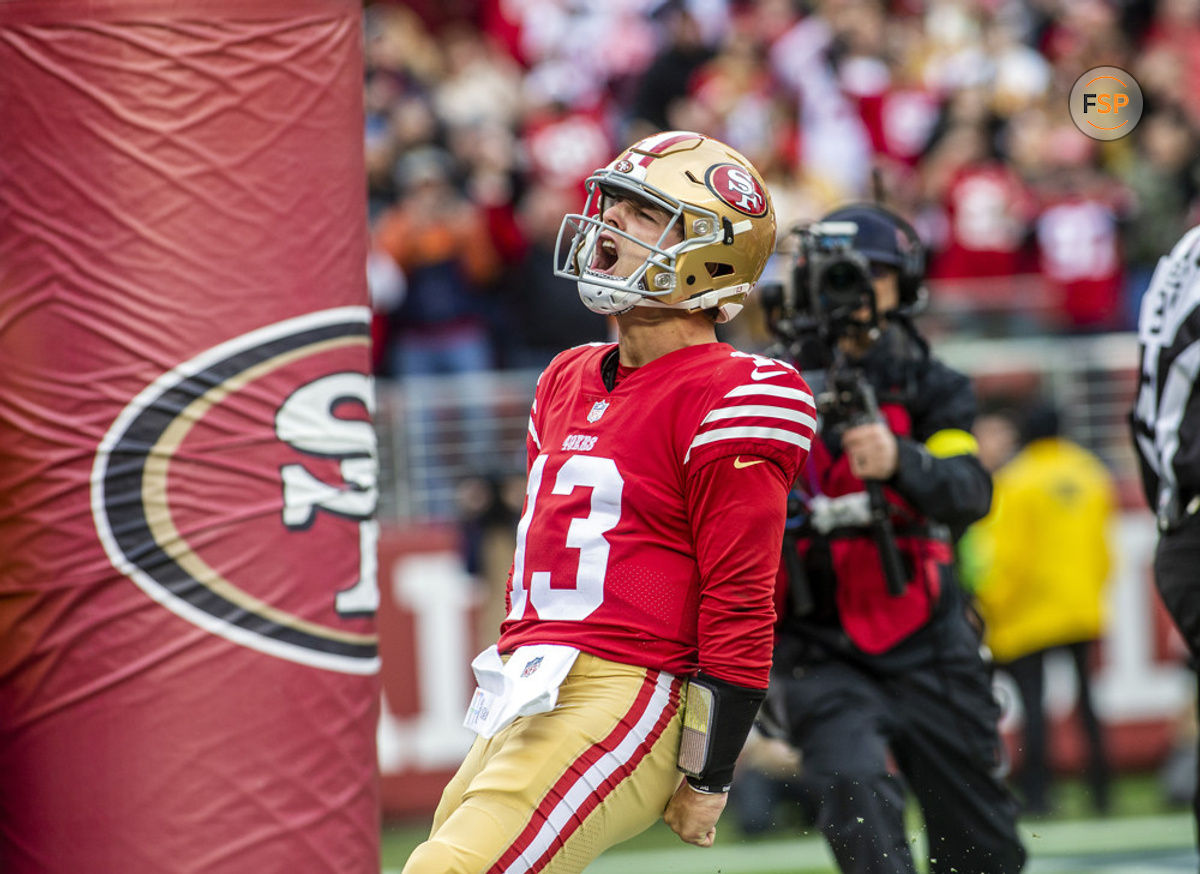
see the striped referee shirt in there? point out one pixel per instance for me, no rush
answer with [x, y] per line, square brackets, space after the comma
[1166, 417]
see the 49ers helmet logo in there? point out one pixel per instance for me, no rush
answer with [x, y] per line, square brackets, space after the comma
[238, 490]
[737, 187]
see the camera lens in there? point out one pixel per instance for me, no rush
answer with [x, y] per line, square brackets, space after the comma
[845, 284]
[842, 276]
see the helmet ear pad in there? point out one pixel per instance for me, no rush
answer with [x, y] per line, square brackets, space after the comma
[886, 237]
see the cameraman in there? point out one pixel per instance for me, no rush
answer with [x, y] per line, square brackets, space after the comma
[877, 667]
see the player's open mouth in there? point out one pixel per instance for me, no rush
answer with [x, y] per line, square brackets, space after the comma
[605, 258]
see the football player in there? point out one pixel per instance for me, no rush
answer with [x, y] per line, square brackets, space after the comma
[638, 639]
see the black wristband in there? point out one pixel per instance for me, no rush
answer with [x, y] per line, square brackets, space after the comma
[716, 720]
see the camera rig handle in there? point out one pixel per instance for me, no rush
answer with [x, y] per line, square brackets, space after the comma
[851, 398]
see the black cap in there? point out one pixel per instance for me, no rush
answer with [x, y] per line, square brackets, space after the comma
[878, 237]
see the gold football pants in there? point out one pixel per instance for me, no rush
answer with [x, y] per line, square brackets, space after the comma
[551, 792]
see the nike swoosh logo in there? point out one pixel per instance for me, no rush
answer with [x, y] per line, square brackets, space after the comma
[739, 464]
[766, 374]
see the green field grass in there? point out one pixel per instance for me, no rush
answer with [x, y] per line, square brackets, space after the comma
[1140, 836]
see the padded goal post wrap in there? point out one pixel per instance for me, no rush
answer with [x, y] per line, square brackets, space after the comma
[187, 481]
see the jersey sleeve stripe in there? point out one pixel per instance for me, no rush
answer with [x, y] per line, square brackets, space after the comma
[717, 434]
[761, 411]
[533, 434]
[778, 391]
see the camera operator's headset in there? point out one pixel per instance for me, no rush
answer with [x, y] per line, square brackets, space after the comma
[885, 237]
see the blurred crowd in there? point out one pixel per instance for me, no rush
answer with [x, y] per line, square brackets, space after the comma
[483, 119]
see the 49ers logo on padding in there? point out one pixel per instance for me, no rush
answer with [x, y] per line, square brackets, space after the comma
[238, 490]
[738, 188]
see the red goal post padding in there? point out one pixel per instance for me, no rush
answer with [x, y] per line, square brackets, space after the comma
[189, 659]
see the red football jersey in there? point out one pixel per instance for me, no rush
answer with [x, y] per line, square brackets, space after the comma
[654, 513]
[988, 209]
[1079, 244]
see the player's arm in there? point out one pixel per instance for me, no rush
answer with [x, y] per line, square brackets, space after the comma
[737, 504]
[753, 437]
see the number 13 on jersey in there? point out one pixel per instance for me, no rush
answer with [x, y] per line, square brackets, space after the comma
[551, 597]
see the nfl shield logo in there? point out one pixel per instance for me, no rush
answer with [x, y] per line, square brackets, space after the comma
[598, 409]
[531, 666]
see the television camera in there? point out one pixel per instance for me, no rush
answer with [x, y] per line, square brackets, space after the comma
[827, 296]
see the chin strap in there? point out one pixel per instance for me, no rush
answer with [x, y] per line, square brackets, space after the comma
[716, 299]
[600, 298]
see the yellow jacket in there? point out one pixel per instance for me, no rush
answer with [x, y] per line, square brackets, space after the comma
[1043, 552]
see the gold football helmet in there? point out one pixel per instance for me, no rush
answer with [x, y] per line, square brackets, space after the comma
[716, 201]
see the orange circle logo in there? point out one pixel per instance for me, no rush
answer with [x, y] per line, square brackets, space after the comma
[1106, 103]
